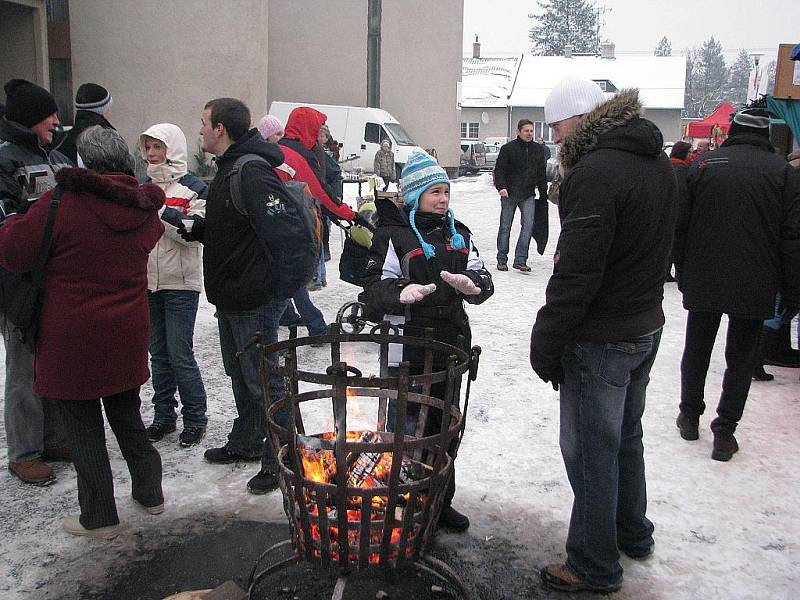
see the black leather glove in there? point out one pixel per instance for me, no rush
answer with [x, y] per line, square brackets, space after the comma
[173, 216]
[364, 222]
[555, 377]
[198, 231]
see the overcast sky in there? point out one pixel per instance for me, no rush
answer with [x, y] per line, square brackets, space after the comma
[637, 26]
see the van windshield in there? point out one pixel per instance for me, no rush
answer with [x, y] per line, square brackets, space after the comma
[399, 134]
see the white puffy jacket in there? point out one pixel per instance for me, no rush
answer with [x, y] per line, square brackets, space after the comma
[174, 264]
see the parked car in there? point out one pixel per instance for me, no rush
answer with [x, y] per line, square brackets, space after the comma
[473, 157]
[492, 150]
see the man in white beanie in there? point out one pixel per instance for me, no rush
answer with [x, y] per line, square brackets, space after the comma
[597, 335]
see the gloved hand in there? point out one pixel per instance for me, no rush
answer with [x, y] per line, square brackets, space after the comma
[173, 216]
[555, 377]
[460, 283]
[414, 292]
[362, 221]
[197, 233]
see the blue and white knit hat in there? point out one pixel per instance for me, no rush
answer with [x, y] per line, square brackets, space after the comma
[420, 173]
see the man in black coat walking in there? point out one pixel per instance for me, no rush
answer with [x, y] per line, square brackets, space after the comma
[519, 171]
[737, 244]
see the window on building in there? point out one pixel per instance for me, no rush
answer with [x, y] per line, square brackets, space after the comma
[470, 130]
[541, 130]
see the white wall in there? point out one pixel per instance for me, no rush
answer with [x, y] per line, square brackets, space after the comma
[162, 61]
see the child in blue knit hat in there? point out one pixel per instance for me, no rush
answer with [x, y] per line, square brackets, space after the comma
[422, 266]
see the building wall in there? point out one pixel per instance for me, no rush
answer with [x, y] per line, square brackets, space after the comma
[497, 125]
[163, 61]
[668, 121]
[318, 53]
[23, 42]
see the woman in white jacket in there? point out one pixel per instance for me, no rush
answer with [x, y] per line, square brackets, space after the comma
[174, 282]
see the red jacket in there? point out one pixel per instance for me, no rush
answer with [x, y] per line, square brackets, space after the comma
[94, 326]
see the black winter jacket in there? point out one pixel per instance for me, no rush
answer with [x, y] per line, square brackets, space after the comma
[236, 257]
[521, 169]
[618, 205]
[83, 120]
[26, 169]
[396, 259]
[738, 239]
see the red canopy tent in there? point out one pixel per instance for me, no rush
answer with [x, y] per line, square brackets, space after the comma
[720, 117]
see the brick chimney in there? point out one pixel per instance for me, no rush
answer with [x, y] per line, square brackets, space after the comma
[607, 50]
[476, 48]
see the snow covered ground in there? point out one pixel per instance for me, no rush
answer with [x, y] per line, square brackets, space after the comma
[723, 530]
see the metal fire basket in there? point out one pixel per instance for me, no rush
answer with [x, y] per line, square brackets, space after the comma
[340, 522]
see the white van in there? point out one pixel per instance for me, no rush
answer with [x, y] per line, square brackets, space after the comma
[360, 130]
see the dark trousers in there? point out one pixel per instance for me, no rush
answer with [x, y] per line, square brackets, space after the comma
[741, 346]
[83, 421]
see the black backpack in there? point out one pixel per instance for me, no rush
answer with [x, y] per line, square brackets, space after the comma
[294, 247]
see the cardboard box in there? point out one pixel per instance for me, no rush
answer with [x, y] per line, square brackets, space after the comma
[787, 75]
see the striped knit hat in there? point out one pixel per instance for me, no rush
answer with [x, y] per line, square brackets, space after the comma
[420, 173]
[94, 98]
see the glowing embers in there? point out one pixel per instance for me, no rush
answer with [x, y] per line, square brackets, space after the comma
[373, 524]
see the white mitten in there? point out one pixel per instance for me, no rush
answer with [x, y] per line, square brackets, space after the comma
[460, 283]
[415, 292]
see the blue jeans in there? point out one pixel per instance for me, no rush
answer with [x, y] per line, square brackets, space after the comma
[602, 402]
[172, 317]
[321, 277]
[236, 328]
[508, 206]
[312, 317]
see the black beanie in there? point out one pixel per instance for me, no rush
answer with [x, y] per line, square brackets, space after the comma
[27, 103]
[93, 97]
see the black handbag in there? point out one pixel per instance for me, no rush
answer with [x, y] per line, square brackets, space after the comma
[22, 292]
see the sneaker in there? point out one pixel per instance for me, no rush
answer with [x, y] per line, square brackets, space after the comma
[725, 446]
[191, 436]
[56, 455]
[560, 577]
[522, 267]
[688, 426]
[157, 431]
[263, 483]
[224, 456]
[33, 472]
[502, 267]
[73, 525]
[150, 510]
[453, 520]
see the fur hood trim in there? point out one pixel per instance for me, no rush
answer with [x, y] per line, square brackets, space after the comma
[614, 112]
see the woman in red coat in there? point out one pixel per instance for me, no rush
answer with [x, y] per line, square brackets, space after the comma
[93, 332]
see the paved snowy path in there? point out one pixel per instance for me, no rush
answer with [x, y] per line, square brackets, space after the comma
[723, 530]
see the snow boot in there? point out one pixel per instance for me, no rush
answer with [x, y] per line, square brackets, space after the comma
[688, 426]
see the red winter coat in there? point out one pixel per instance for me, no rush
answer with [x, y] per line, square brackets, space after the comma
[94, 325]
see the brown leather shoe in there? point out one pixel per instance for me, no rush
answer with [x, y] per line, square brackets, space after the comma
[502, 267]
[522, 267]
[33, 471]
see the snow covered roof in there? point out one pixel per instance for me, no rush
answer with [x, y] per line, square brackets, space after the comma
[661, 80]
[487, 81]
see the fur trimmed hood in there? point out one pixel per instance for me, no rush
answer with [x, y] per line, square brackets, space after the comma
[616, 123]
[117, 199]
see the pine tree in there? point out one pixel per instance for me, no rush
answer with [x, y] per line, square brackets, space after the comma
[706, 78]
[739, 74]
[664, 48]
[562, 23]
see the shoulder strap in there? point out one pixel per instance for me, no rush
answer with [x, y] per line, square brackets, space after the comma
[236, 180]
[44, 249]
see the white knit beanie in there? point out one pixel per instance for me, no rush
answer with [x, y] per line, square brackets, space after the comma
[571, 97]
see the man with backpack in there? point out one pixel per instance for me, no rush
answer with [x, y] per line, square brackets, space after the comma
[256, 254]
